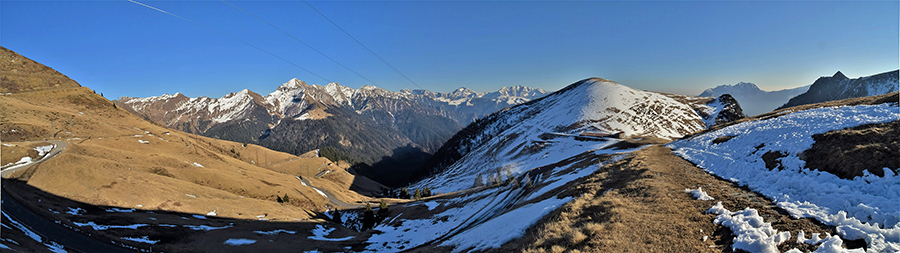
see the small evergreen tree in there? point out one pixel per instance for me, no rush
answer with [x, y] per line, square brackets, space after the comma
[286, 199]
[426, 192]
[382, 211]
[336, 216]
[404, 193]
[418, 194]
[368, 218]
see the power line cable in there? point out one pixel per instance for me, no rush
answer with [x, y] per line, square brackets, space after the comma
[361, 44]
[301, 41]
[229, 36]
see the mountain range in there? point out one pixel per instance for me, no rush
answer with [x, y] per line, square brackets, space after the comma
[754, 100]
[369, 125]
[839, 86]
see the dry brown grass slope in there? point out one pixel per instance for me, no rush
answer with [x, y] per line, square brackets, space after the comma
[115, 158]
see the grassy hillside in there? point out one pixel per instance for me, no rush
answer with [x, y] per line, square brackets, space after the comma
[114, 158]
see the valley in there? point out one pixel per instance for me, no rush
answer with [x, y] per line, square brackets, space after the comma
[594, 166]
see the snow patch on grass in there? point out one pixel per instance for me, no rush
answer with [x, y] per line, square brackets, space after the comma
[143, 141]
[751, 232]
[699, 194]
[143, 239]
[43, 150]
[320, 232]
[275, 232]
[239, 241]
[105, 227]
[119, 210]
[206, 228]
[75, 211]
[22, 228]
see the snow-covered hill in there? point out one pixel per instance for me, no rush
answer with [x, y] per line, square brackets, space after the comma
[544, 131]
[754, 100]
[767, 155]
[839, 86]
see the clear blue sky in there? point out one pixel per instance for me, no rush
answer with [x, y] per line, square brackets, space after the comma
[124, 49]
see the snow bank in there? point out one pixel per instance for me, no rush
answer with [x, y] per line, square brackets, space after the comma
[320, 232]
[119, 210]
[143, 141]
[239, 241]
[699, 194]
[751, 232]
[861, 208]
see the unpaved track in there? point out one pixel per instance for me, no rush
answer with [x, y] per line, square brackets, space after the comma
[638, 205]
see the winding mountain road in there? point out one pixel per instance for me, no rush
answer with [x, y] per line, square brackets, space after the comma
[58, 146]
[331, 198]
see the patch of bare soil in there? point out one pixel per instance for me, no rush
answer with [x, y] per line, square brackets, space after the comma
[639, 205]
[847, 153]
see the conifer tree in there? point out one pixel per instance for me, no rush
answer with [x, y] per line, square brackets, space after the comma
[368, 218]
[418, 194]
[426, 192]
[404, 193]
[286, 199]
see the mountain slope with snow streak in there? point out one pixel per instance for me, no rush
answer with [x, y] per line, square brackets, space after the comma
[546, 131]
[764, 156]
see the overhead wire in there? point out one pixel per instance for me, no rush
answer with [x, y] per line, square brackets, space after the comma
[299, 40]
[362, 45]
[229, 36]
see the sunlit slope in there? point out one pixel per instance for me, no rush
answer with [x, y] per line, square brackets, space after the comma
[115, 158]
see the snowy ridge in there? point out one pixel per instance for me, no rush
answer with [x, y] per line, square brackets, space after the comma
[295, 97]
[519, 139]
[861, 208]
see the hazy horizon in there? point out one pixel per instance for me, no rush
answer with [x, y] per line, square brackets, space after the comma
[123, 48]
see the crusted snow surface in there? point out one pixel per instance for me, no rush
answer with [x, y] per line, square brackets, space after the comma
[699, 194]
[860, 208]
[320, 233]
[751, 232]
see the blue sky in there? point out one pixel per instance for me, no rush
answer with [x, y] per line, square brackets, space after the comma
[124, 49]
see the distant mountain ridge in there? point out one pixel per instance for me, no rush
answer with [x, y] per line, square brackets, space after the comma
[754, 100]
[839, 86]
[371, 124]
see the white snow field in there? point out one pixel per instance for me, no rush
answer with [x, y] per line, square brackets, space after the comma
[862, 208]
